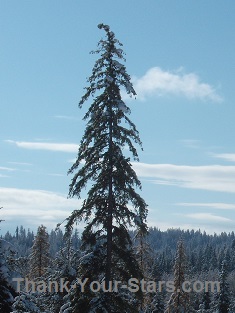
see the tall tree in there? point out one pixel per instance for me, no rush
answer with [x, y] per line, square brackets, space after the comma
[101, 162]
[179, 301]
[223, 299]
[39, 258]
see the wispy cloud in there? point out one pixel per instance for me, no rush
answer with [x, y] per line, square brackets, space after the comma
[157, 82]
[6, 169]
[72, 160]
[225, 156]
[20, 163]
[211, 226]
[35, 207]
[67, 117]
[3, 168]
[191, 143]
[56, 175]
[219, 205]
[62, 147]
[209, 217]
[208, 177]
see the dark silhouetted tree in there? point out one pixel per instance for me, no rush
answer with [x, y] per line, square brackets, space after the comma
[112, 204]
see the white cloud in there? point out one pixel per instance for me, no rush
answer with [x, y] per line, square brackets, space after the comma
[6, 169]
[205, 223]
[2, 168]
[222, 206]
[67, 117]
[72, 160]
[35, 207]
[20, 163]
[159, 82]
[225, 156]
[56, 175]
[191, 143]
[208, 217]
[208, 177]
[62, 147]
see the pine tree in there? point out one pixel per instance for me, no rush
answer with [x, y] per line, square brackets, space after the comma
[25, 303]
[39, 258]
[223, 300]
[231, 304]
[63, 267]
[179, 301]
[108, 252]
[6, 291]
[206, 300]
[152, 302]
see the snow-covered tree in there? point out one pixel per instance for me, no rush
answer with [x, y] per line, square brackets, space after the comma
[6, 291]
[179, 301]
[63, 267]
[39, 258]
[224, 294]
[152, 302]
[25, 303]
[231, 308]
[112, 204]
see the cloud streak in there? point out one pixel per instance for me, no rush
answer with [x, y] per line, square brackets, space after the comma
[35, 207]
[208, 177]
[61, 147]
[225, 156]
[209, 217]
[216, 205]
[157, 82]
[3, 168]
[67, 117]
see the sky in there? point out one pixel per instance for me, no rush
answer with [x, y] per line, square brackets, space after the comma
[180, 56]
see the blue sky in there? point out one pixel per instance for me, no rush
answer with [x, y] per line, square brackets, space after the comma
[180, 55]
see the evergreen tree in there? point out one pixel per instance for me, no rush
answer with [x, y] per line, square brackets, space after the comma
[223, 300]
[231, 304]
[25, 303]
[179, 301]
[152, 302]
[6, 291]
[206, 300]
[39, 258]
[108, 251]
[63, 267]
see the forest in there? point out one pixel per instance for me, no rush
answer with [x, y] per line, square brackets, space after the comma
[44, 257]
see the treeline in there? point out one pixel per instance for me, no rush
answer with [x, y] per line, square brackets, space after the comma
[53, 256]
[204, 251]
[21, 241]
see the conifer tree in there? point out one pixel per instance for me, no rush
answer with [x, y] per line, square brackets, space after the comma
[232, 303]
[6, 291]
[39, 258]
[25, 303]
[179, 301]
[108, 252]
[223, 300]
[206, 300]
[63, 267]
[152, 302]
